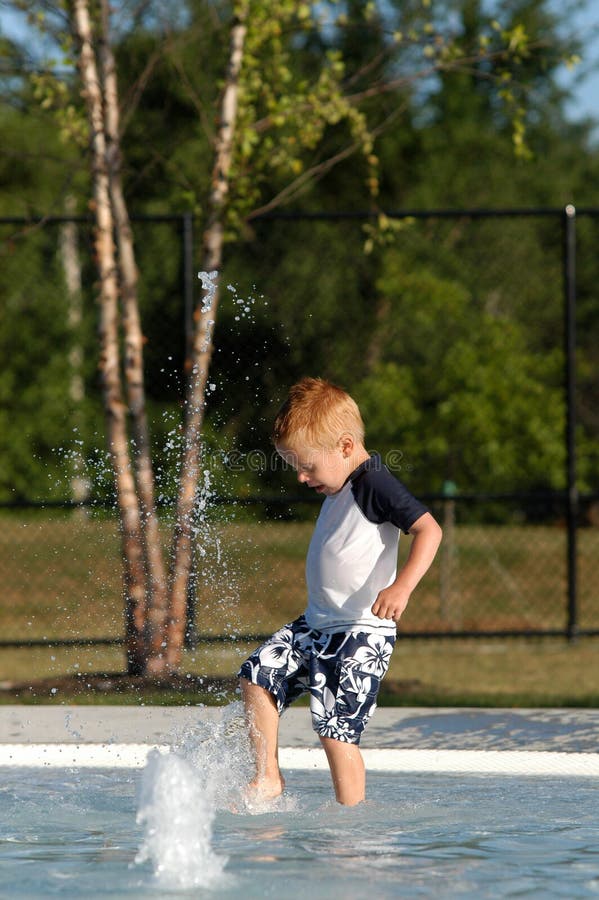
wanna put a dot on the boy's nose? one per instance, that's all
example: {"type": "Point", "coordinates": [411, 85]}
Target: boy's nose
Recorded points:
{"type": "Point", "coordinates": [302, 477]}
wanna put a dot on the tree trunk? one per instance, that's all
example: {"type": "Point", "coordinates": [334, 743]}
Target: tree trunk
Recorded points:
{"type": "Point", "coordinates": [204, 321]}
{"type": "Point", "coordinates": [157, 599]}
{"type": "Point", "coordinates": [69, 252]}
{"type": "Point", "coordinates": [117, 438]}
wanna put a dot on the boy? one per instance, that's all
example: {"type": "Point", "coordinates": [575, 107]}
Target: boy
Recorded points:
{"type": "Point", "coordinates": [339, 650]}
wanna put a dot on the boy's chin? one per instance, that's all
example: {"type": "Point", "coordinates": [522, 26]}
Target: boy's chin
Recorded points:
{"type": "Point", "coordinates": [326, 490]}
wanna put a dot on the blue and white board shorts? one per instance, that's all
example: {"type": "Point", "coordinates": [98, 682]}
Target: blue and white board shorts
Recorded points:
{"type": "Point", "coordinates": [342, 672]}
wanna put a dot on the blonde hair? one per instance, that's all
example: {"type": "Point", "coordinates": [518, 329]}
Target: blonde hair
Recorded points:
{"type": "Point", "coordinates": [317, 414]}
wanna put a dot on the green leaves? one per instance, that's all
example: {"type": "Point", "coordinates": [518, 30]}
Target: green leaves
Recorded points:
{"type": "Point", "coordinates": [468, 398]}
{"type": "Point", "coordinates": [285, 109]}
{"type": "Point", "coordinates": [55, 95]}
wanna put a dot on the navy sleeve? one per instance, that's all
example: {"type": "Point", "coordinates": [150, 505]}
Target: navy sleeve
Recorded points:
{"type": "Point", "coordinates": [383, 498]}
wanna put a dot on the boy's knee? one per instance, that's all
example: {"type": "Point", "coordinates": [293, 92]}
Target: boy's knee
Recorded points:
{"type": "Point", "coordinates": [255, 692]}
{"type": "Point", "coordinates": [337, 746]}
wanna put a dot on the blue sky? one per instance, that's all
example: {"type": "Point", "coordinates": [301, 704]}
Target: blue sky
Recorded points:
{"type": "Point", "coordinates": [584, 79]}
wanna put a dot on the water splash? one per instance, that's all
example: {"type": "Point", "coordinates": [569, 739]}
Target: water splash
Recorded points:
{"type": "Point", "coordinates": [205, 771]}
{"type": "Point", "coordinates": [220, 752]}
{"type": "Point", "coordinates": [209, 285]}
{"type": "Point", "coordinates": [177, 813]}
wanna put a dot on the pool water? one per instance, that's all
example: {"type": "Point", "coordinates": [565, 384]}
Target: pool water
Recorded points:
{"type": "Point", "coordinates": [78, 833]}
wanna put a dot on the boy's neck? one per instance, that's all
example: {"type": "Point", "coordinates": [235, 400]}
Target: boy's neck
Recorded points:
{"type": "Point", "coordinates": [359, 455]}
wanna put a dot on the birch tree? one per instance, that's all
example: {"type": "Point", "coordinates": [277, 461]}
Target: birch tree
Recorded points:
{"type": "Point", "coordinates": [156, 585]}
{"type": "Point", "coordinates": [130, 516]}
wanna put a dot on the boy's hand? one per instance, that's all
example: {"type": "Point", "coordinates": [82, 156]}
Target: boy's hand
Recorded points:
{"type": "Point", "coordinates": [391, 603]}
{"type": "Point", "coordinates": [392, 600]}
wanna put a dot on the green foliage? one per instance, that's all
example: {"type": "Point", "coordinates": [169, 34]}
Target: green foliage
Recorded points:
{"type": "Point", "coordinates": [35, 168]}
{"type": "Point", "coordinates": [285, 107]}
{"type": "Point", "coordinates": [39, 424]}
{"type": "Point", "coordinates": [448, 332]}
{"type": "Point", "coordinates": [477, 405]}
{"type": "Point", "coordinates": [55, 95]}
{"type": "Point", "coordinates": [167, 169]}
{"type": "Point", "coordinates": [37, 416]}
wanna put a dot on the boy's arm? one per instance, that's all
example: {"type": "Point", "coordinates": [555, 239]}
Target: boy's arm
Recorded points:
{"type": "Point", "coordinates": [392, 600]}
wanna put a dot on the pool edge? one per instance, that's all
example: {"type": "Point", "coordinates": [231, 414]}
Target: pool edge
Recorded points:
{"type": "Point", "coordinates": [134, 756]}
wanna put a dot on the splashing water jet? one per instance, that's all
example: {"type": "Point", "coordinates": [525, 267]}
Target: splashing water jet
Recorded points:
{"type": "Point", "coordinates": [177, 812]}
{"type": "Point", "coordinates": [206, 770]}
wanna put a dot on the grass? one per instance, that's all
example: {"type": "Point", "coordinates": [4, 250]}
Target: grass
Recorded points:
{"type": "Point", "coordinates": [61, 578]}
{"type": "Point", "coordinates": [547, 672]}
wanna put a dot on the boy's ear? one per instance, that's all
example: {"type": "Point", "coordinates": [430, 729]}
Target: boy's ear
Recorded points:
{"type": "Point", "coordinates": [346, 442]}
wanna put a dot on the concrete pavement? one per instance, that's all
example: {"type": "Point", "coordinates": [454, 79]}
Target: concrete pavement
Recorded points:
{"type": "Point", "coordinates": [561, 730]}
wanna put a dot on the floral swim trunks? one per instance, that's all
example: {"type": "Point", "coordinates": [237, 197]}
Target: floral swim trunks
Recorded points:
{"type": "Point", "coordinates": [342, 672]}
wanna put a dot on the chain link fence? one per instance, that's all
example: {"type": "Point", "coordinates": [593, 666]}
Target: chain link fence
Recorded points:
{"type": "Point", "coordinates": [459, 315]}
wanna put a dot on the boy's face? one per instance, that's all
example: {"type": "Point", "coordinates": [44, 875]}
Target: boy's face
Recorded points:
{"type": "Point", "coordinates": [323, 470]}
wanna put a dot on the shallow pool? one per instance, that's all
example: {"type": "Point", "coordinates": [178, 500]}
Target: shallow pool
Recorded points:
{"type": "Point", "coordinates": [76, 833]}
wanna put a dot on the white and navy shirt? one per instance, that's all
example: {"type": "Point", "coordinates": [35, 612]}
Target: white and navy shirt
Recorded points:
{"type": "Point", "coordinates": [353, 551]}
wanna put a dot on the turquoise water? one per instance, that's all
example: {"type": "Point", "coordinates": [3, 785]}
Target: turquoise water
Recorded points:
{"type": "Point", "coordinates": [76, 833]}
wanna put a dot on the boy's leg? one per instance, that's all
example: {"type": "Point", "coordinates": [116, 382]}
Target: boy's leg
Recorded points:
{"type": "Point", "coordinates": [345, 679]}
{"type": "Point", "coordinates": [273, 677]}
{"type": "Point", "coordinates": [347, 770]}
{"type": "Point", "coordinates": [263, 724]}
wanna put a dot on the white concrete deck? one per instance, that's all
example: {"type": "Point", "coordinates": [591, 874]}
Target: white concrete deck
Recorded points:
{"type": "Point", "coordinates": [564, 741]}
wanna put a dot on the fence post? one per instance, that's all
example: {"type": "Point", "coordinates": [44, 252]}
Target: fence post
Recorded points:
{"type": "Point", "coordinates": [569, 264]}
{"type": "Point", "coordinates": [447, 554]}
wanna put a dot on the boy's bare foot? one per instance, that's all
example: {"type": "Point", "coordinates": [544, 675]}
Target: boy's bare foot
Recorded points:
{"type": "Point", "coordinates": [258, 794]}
{"type": "Point", "coordinates": [261, 789]}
